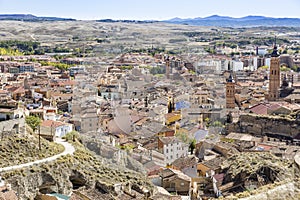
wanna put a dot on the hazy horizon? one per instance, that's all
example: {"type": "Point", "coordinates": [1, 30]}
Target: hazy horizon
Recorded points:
{"type": "Point", "coordinates": [142, 19]}
{"type": "Point", "coordinates": [150, 10]}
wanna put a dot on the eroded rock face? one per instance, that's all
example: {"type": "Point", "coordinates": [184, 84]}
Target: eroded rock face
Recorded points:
{"type": "Point", "coordinates": [83, 171]}
{"type": "Point", "coordinates": [259, 168]}
{"type": "Point", "coordinates": [77, 179]}
{"type": "Point", "coordinates": [115, 155]}
{"type": "Point", "coordinates": [296, 167]}
{"type": "Point", "coordinates": [40, 182]}
{"type": "Point", "coordinates": [266, 125]}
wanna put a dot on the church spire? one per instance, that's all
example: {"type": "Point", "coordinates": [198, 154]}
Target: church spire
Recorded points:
{"type": "Point", "coordinates": [275, 53]}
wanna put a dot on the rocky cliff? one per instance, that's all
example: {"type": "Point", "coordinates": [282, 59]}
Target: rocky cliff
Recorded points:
{"type": "Point", "coordinates": [289, 188]}
{"type": "Point", "coordinates": [113, 154]}
{"type": "Point", "coordinates": [84, 171]}
{"type": "Point", "coordinates": [285, 127]}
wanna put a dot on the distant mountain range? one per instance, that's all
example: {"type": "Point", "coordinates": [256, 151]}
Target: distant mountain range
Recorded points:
{"type": "Point", "coordinates": [126, 21]}
{"type": "Point", "coordinates": [28, 17]}
{"type": "Point", "coordinates": [248, 21]}
{"type": "Point", "coordinates": [214, 20]}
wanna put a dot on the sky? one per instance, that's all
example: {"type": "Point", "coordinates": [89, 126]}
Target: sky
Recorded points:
{"type": "Point", "coordinates": [150, 9]}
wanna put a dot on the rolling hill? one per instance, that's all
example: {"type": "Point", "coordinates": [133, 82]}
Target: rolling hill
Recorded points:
{"type": "Point", "coordinates": [248, 21]}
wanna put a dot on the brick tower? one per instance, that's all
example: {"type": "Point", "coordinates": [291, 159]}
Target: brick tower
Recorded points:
{"type": "Point", "coordinates": [167, 60]}
{"type": "Point", "coordinates": [274, 80]}
{"type": "Point", "coordinates": [230, 92]}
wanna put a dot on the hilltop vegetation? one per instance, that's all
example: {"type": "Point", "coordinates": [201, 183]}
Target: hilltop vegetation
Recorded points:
{"type": "Point", "coordinates": [19, 149]}
{"type": "Point", "coordinates": [83, 170]}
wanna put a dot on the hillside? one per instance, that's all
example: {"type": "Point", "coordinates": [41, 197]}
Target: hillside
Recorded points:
{"type": "Point", "coordinates": [248, 21]}
{"type": "Point", "coordinates": [28, 17]}
{"type": "Point", "coordinates": [84, 171]}
{"type": "Point", "coordinates": [19, 149]}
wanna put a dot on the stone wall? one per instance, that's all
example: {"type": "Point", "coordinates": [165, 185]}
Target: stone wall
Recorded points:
{"type": "Point", "coordinates": [113, 154]}
{"type": "Point", "coordinates": [12, 126]}
{"type": "Point", "coordinates": [257, 125]}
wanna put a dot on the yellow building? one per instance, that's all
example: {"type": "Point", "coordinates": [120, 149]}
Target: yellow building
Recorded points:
{"type": "Point", "coordinates": [172, 117]}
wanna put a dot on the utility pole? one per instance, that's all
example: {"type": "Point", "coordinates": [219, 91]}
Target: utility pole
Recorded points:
{"type": "Point", "coordinates": [52, 130]}
{"type": "Point", "coordinates": [40, 137]}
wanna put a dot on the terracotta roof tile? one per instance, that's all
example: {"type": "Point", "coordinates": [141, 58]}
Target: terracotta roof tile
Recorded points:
{"type": "Point", "coordinates": [49, 123]}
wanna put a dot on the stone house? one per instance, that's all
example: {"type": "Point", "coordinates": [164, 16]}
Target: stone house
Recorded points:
{"type": "Point", "coordinates": [5, 95]}
{"type": "Point", "coordinates": [175, 181]}
{"type": "Point", "coordinates": [16, 92]}
{"type": "Point", "coordinates": [188, 165]}
{"type": "Point", "coordinates": [11, 113]}
{"type": "Point", "coordinates": [89, 121]}
{"type": "Point", "coordinates": [207, 168]}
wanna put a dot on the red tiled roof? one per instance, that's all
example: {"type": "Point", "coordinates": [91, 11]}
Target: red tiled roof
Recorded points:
{"type": "Point", "coordinates": [3, 92]}
{"type": "Point", "coordinates": [265, 147]}
{"type": "Point", "coordinates": [19, 90]}
{"type": "Point", "coordinates": [263, 108]}
{"type": "Point", "coordinates": [68, 82]}
{"type": "Point", "coordinates": [259, 109]}
{"type": "Point", "coordinates": [169, 115]}
{"type": "Point", "coordinates": [49, 123]}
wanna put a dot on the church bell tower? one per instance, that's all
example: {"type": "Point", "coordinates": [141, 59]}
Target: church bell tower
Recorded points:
{"type": "Point", "coordinates": [230, 92]}
{"type": "Point", "coordinates": [274, 80]}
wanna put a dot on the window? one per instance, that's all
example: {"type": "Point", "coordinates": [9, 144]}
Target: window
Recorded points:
{"type": "Point", "coordinates": [182, 184]}
{"type": "Point", "coordinates": [167, 150]}
{"type": "Point", "coordinates": [171, 157]}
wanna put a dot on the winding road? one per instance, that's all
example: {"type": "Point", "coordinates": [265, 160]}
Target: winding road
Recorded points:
{"type": "Point", "coordinates": [69, 149]}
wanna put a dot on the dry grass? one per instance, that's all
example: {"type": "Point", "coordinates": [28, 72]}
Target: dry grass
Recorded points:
{"type": "Point", "coordinates": [18, 149]}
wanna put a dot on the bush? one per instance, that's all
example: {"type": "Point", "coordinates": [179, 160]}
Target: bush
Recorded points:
{"type": "Point", "coordinates": [72, 136]}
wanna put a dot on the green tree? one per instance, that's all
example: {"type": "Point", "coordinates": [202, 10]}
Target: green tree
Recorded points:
{"type": "Point", "coordinates": [295, 68]}
{"type": "Point", "coordinates": [284, 51]}
{"type": "Point", "coordinates": [207, 121]}
{"type": "Point", "coordinates": [192, 146]}
{"type": "Point", "coordinates": [284, 69]}
{"type": "Point", "coordinates": [33, 122]}
{"type": "Point", "coordinates": [73, 135]}
{"type": "Point", "coordinates": [217, 124]}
